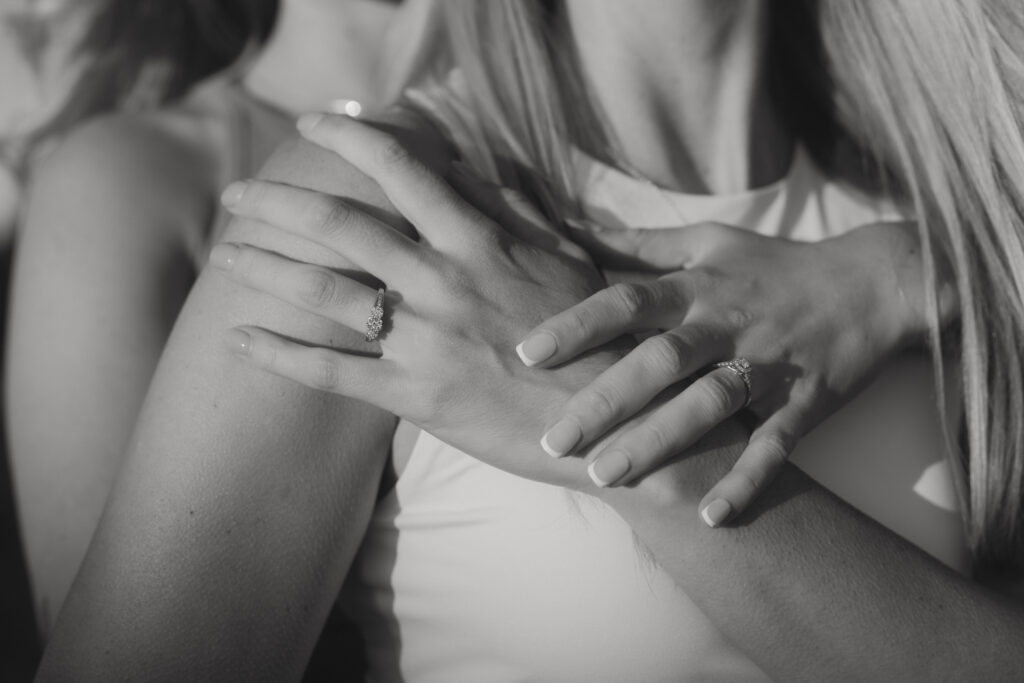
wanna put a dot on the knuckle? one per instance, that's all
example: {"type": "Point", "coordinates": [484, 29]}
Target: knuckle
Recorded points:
{"type": "Point", "coordinates": [595, 405]}
{"type": "Point", "coordinates": [737, 318]}
{"type": "Point", "coordinates": [255, 195]}
{"type": "Point", "coordinates": [669, 353]}
{"type": "Point", "coordinates": [747, 483]}
{"type": "Point", "coordinates": [715, 395]}
{"type": "Point", "coordinates": [263, 353]}
{"type": "Point", "coordinates": [392, 153]}
{"type": "Point", "coordinates": [575, 323]}
{"type": "Point", "coordinates": [330, 218]}
{"type": "Point", "coordinates": [633, 298]}
{"type": "Point", "coordinates": [774, 449]}
{"type": "Point", "coordinates": [324, 373]}
{"type": "Point", "coordinates": [437, 396]}
{"type": "Point", "coordinates": [657, 440]}
{"type": "Point", "coordinates": [245, 266]}
{"type": "Point", "coordinates": [317, 289]}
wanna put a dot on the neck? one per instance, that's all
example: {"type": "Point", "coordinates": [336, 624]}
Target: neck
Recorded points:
{"type": "Point", "coordinates": [679, 83]}
{"type": "Point", "coordinates": [324, 50]}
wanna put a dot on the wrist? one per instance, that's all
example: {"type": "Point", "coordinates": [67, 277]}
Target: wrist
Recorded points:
{"type": "Point", "coordinates": [884, 261]}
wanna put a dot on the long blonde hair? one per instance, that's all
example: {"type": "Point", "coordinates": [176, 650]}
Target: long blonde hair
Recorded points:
{"type": "Point", "coordinates": [932, 91]}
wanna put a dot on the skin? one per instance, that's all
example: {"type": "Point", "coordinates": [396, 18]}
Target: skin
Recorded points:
{"type": "Point", "coordinates": [815, 320]}
{"type": "Point", "coordinates": [124, 241]}
{"type": "Point", "coordinates": [789, 582]}
{"type": "Point", "coordinates": [237, 564]}
{"type": "Point", "coordinates": [160, 457]}
{"type": "Point", "coordinates": [122, 237]}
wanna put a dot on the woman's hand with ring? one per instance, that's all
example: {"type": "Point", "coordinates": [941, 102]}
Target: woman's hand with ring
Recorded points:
{"type": "Point", "coordinates": [814, 320]}
{"type": "Point", "coordinates": [453, 301]}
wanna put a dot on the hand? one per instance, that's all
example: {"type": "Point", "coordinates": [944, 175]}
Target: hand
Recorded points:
{"type": "Point", "coordinates": [815, 320]}
{"type": "Point", "coordinates": [454, 300]}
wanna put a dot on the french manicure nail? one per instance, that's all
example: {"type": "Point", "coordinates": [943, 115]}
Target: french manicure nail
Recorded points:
{"type": "Point", "coordinates": [223, 256]}
{"type": "Point", "coordinates": [609, 468]}
{"type": "Point", "coordinates": [307, 122]}
{"type": "Point", "coordinates": [716, 512]}
{"type": "Point", "coordinates": [561, 438]}
{"type": "Point", "coordinates": [537, 348]}
{"type": "Point", "coordinates": [233, 193]}
{"type": "Point", "coordinates": [238, 341]}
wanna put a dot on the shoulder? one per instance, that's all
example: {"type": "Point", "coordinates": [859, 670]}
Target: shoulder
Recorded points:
{"type": "Point", "coordinates": [125, 171]}
{"type": "Point", "coordinates": [303, 164]}
{"type": "Point", "coordinates": [132, 148]}
{"type": "Point", "coordinates": [300, 162]}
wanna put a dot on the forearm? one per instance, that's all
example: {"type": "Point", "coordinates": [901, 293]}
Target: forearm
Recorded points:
{"type": "Point", "coordinates": [813, 590]}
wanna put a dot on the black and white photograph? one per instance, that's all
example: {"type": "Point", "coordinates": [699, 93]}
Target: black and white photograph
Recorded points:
{"type": "Point", "coordinates": [512, 341]}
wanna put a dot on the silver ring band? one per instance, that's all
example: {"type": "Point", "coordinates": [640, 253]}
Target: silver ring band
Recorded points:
{"type": "Point", "coordinates": [741, 368]}
{"type": "Point", "coordinates": [375, 323]}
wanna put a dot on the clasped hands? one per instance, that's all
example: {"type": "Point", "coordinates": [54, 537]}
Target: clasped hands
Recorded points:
{"type": "Point", "coordinates": [501, 338]}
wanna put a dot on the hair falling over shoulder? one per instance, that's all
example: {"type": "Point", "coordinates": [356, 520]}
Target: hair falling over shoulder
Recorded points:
{"type": "Point", "coordinates": [940, 86]}
{"type": "Point", "coordinates": [933, 91]}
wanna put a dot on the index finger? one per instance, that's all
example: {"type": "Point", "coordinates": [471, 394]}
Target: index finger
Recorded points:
{"type": "Point", "coordinates": [420, 194]}
{"type": "Point", "coordinates": [328, 221]}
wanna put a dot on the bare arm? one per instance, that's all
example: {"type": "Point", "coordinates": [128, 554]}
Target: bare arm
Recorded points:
{"type": "Point", "coordinates": [101, 271]}
{"type": "Point", "coordinates": [243, 497]}
{"type": "Point", "coordinates": [812, 589]}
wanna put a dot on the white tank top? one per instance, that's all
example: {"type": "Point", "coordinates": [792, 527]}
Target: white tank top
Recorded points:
{"type": "Point", "coordinates": [470, 574]}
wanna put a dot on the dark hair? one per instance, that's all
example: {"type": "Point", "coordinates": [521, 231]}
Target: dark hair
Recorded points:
{"type": "Point", "coordinates": [144, 53]}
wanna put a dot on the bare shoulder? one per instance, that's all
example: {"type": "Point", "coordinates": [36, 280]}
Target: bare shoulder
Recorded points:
{"type": "Point", "coordinates": [124, 172]}
{"type": "Point", "coordinates": [302, 163]}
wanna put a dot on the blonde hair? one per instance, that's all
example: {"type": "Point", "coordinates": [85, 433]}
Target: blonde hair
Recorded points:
{"type": "Point", "coordinates": [932, 91]}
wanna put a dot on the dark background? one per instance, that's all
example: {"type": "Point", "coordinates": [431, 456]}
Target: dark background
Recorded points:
{"type": "Point", "coordinates": [19, 648]}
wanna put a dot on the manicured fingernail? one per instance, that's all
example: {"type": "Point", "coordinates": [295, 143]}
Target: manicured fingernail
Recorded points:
{"type": "Point", "coordinates": [716, 512]}
{"type": "Point", "coordinates": [609, 468]}
{"type": "Point", "coordinates": [223, 256]}
{"type": "Point", "coordinates": [238, 341]}
{"type": "Point", "coordinates": [307, 122]}
{"type": "Point", "coordinates": [537, 348]}
{"type": "Point", "coordinates": [561, 438]}
{"type": "Point", "coordinates": [233, 193]}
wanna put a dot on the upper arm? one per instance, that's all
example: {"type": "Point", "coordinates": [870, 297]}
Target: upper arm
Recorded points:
{"type": "Point", "coordinates": [244, 496]}
{"type": "Point", "coordinates": [100, 273]}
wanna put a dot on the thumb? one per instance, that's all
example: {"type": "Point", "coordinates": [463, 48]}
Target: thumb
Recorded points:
{"type": "Point", "coordinates": [651, 249]}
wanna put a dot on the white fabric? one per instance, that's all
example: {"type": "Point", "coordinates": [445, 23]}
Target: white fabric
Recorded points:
{"type": "Point", "coordinates": [471, 574]}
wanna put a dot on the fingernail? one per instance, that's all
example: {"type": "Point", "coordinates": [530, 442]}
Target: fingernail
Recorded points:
{"type": "Point", "coordinates": [238, 341]}
{"type": "Point", "coordinates": [307, 122]}
{"type": "Point", "coordinates": [223, 256]}
{"type": "Point", "coordinates": [561, 438]}
{"type": "Point", "coordinates": [233, 193]}
{"type": "Point", "coordinates": [537, 348]}
{"type": "Point", "coordinates": [608, 469]}
{"type": "Point", "coordinates": [716, 512]}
